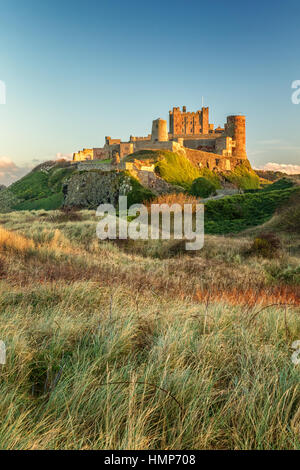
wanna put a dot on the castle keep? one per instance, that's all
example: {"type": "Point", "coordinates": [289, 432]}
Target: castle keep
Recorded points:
{"type": "Point", "coordinates": [190, 133]}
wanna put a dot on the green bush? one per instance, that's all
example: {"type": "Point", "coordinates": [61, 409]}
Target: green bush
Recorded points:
{"type": "Point", "coordinates": [283, 183]}
{"type": "Point", "coordinates": [139, 193]}
{"type": "Point", "coordinates": [265, 245]}
{"type": "Point", "coordinates": [211, 176]}
{"type": "Point", "coordinates": [202, 187]}
{"type": "Point", "coordinates": [284, 274]}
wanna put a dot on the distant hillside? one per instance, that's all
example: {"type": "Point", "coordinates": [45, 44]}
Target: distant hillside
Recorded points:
{"type": "Point", "coordinates": [42, 189]}
{"type": "Point", "coordinates": [274, 175]}
{"type": "Point", "coordinates": [270, 175]}
{"type": "Point", "coordinates": [287, 217]}
{"type": "Point", "coordinates": [233, 214]}
{"type": "Point", "coordinates": [39, 189]}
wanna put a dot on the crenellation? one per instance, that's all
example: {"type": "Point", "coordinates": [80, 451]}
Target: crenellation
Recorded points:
{"type": "Point", "coordinates": [189, 132]}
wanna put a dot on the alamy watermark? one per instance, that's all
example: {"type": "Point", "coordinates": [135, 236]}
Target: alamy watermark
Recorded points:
{"type": "Point", "coordinates": [158, 221]}
{"type": "Point", "coordinates": [296, 354]}
{"type": "Point", "coordinates": [2, 353]}
{"type": "Point", "coordinates": [2, 92]}
{"type": "Point", "coordinates": [296, 94]}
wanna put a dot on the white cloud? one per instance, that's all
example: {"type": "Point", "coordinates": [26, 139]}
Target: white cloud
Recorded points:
{"type": "Point", "coordinates": [284, 167]}
{"type": "Point", "coordinates": [66, 156]}
{"type": "Point", "coordinates": [10, 172]}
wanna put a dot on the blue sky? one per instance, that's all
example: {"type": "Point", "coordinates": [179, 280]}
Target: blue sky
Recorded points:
{"type": "Point", "coordinates": [76, 71]}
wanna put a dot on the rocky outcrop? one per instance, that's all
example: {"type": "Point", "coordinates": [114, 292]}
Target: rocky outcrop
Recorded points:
{"type": "Point", "coordinates": [156, 184]}
{"type": "Point", "coordinates": [88, 189]}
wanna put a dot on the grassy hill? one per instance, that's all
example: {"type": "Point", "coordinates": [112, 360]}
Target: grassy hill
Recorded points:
{"type": "Point", "coordinates": [233, 214]}
{"type": "Point", "coordinates": [179, 170]}
{"type": "Point", "coordinates": [287, 218]}
{"type": "Point", "coordinates": [39, 189]}
{"type": "Point", "coordinates": [42, 189]}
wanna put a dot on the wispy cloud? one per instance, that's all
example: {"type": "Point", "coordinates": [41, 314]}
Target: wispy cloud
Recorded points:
{"type": "Point", "coordinates": [276, 144]}
{"type": "Point", "coordinates": [284, 167]}
{"type": "Point", "coordinates": [66, 156]}
{"type": "Point", "coordinates": [271, 142]}
{"type": "Point", "coordinates": [10, 172]}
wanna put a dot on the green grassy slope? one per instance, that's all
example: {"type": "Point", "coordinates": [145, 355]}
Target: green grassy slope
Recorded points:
{"type": "Point", "coordinates": [244, 177]}
{"type": "Point", "coordinates": [236, 213]}
{"type": "Point", "coordinates": [42, 189]}
{"type": "Point", "coordinates": [39, 189]}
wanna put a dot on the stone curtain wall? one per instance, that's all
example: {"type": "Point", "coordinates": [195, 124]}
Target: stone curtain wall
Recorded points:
{"type": "Point", "coordinates": [212, 160]}
{"type": "Point", "coordinates": [94, 165]}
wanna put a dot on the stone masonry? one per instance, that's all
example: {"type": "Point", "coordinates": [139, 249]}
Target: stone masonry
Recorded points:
{"type": "Point", "coordinates": [190, 133]}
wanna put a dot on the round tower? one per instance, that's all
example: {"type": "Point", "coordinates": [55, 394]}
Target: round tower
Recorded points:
{"type": "Point", "coordinates": [236, 129]}
{"type": "Point", "coordinates": [159, 131]}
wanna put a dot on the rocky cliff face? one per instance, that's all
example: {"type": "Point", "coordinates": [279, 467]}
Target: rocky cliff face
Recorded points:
{"type": "Point", "coordinates": [88, 189]}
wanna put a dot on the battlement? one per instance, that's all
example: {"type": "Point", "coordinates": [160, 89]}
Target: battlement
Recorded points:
{"type": "Point", "coordinates": [183, 122]}
{"type": "Point", "coordinates": [187, 131]}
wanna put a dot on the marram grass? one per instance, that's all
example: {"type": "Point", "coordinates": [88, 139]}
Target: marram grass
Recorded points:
{"type": "Point", "coordinates": [114, 350]}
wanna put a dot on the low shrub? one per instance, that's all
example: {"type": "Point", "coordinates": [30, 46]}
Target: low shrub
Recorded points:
{"type": "Point", "coordinates": [202, 187]}
{"type": "Point", "coordinates": [67, 214]}
{"type": "Point", "coordinates": [284, 274]}
{"type": "Point", "coordinates": [266, 245]}
{"type": "Point", "coordinates": [138, 193]}
{"type": "Point", "coordinates": [211, 176]}
{"type": "Point", "coordinates": [283, 183]}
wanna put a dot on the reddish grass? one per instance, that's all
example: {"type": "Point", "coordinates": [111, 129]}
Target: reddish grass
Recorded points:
{"type": "Point", "coordinates": [251, 297]}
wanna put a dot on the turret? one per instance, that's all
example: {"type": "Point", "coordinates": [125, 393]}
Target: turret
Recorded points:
{"type": "Point", "coordinates": [159, 131]}
{"type": "Point", "coordinates": [236, 129]}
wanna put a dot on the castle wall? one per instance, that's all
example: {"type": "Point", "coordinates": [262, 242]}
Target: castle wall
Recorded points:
{"type": "Point", "coordinates": [99, 154]}
{"type": "Point", "coordinates": [207, 145]}
{"type": "Point", "coordinates": [85, 154]}
{"type": "Point", "coordinates": [135, 139]}
{"type": "Point", "coordinates": [126, 148]}
{"type": "Point", "coordinates": [212, 160]}
{"type": "Point", "coordinates": [189, 133]}
{"type": "Point", "coordinates": [151, 145]}
{"type": "Point", "coordinates": [224, 146]}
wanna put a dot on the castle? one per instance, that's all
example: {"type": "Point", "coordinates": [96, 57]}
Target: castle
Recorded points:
{"type": "Point", "coordinates": [190, 133]}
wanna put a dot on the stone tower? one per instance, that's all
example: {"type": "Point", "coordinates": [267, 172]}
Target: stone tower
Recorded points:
{"type": "Point", "coordinates": [236, 129]}
{"type": "Point", "coordinates": [159, 131]}
{"type": "Point", "coordinates": [187, 123]}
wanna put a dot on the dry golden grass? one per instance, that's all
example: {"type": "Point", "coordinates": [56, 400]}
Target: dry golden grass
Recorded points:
{"type": "Point", "coordinates": [110, 349]}
{"type": "Point", "coordinates": [174, 198]}
{"type": "Point", "coordinates": [13, 242]}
